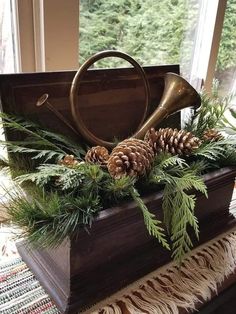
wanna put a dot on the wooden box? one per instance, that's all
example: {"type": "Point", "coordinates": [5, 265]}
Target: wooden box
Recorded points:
{"type": "Point", "coordinates": [118, 249]}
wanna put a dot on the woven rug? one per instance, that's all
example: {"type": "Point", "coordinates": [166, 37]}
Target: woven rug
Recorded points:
{"type": "Point", "coordinates": [20, 292]}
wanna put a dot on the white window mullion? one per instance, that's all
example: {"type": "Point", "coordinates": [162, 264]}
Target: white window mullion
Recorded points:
{"type": "Point", "coordinates": [15, 35]}
{"type": "Point", "coordinates": [26, 34]}
{"type": "Point", "coordinates": [209, 31]}
{"type": "Point", "coordinates": [39, 41]}
{"type": "Point", "coordinates": [215, 44]}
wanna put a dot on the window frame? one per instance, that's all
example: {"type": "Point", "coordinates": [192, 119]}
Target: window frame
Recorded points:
{"type": "Point", "coordinates": [39, 51]}
{"type": "Point", "coordinates": [46, 34]}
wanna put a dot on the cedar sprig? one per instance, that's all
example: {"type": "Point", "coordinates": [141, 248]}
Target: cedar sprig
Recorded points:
{"type": "Point", "coordinates": [42, 154]}
{"type": "Point", "coordinates": [153, 225]}
{"type": "Point", "coordinates": [178, 205]}
{"type": "Point", "coordinates": [84, 177]}
{"type": "Point", "coordinates": [199, 167]}
{"type": "Point", "coordinates": [40, 143]}
{"type": "Point", "coordinates": [66, 178]}
{"type": "Point", "coordinates": [214, 151]}
{"type": "Point", "coordinates": [166, 160]}
{"type": "Point", "coordinates": [229, 158]}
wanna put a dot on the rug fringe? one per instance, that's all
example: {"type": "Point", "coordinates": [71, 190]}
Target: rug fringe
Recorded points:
{"type": "Point", "coordinates": [170, 288]}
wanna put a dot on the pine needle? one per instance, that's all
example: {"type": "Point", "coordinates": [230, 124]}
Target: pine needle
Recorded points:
{"type": "Point", "coordinates": [118, 189]}
{"type": "Point", "coordinates": [48, 219]}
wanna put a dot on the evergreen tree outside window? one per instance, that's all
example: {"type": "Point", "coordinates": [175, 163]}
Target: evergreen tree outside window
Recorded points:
{"type": "Point", "coordinates": [156, 33]}
{"type": "Point", "coordinates": [152, 32]}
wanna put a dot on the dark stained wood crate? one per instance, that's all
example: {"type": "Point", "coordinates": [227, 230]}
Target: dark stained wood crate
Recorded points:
{"type": "Point", "coordinates": [118, 250]}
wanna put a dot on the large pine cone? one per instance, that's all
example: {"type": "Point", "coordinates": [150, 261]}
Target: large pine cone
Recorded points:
{"type": "Point", "coordinates": [172, 141]}
{"type": "Point", "coordinates": [131, 157]}
{"type": "Point", "coordinates": [97, 155]}
{"type": "Point", "coordinates": [212, 135]}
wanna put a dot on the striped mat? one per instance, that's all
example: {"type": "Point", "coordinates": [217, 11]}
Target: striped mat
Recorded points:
{"type": "Point", "coordinates": [20, 292]}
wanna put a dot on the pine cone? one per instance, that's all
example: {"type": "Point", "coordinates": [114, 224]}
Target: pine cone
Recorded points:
{"type": "Point", "coordinates": [172, 141]}
{"type": "Point", "coordinates": [69, 161]}
{"type": "Point", "coordinates": [212, 135]}
{"type": "Point", "coordinates": [131, 157]}
{"type": "Point", "coordinates": [97, 155]}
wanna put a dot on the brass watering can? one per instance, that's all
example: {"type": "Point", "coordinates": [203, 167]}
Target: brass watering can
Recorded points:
{"type": "Point", "coordinates": [178, 94]}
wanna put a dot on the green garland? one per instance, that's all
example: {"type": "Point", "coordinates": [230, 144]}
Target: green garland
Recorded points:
{"type": "Point", "coordinates": [65, 199]}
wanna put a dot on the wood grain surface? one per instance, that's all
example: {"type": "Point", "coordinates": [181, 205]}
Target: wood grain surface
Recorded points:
{"type": "Point", "coordinates": [111, 102]}
{"type": "Point", "coordinates": [118, 250]}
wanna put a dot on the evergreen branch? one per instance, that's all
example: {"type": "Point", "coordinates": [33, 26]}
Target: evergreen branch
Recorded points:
{"type": "Point", "coordinates": [164, 165]}
{"type": "Point", "coordinates": [27, 127]}
{"type": "Point", "coordinates": [167, 207]}
{"type": "Point", "coordinates": [38, 139]}
{"type": "Point", "coordinates": [211, 114]}
{"type": "Point", "coordinates": [198, 167]}
{"type": "Point", "coordinates": [229, 158]}
{"type": "Point", "coordinates": [151, 223]}
{"type": "Point", "coordinates": [120, 188]}
{"type": "Point", "coordinates": [183, 216]}
{"type": "Point", "coordinates": [94, 178]}
{"type": "Point", "coordinates": [229, 124]}
{"type": "Point", "coordinates": [178, 206]}
{"type": "Point", "coordinates": [83, 178]}
{"type": "Point", "coordinates": [47, 155]}
{"type": "Point", "coordinates": [65, 143]}
{"type": "Point", "coordinates": [214, 151]}
{"type": "Point", "coordinates": [165, 160]}
{"type": "Point", "coordinates": [66, 178]}
{"type": "Point", "coordinates": [191, 181]}
{"type": "Point", "coordinates": [38, 153]}
{"type": "Point", "coordinates": [47, 219]}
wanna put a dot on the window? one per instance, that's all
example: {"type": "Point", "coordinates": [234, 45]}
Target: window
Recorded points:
{"type": "Point", "coordinates": [8, 57]}
{"type": "Point", "coordinates": [152, 32]}
{"type": "Point", "coordinates": [225, 70]}
{"type": "Point", "coordinates": [8, 60]}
